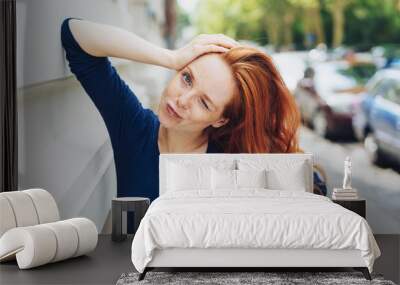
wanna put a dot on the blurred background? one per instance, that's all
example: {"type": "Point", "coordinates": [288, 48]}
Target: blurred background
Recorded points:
{"type": "Point", "coordinates": [341, 61]}
{"type": "Point", "coordinates": [339, 58]}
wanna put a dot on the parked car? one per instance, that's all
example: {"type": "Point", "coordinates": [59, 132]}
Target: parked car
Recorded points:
{"type": "Point", "coordinates": [386, 56]}
{"type": "Point", "coordinates": [380, 111]}
{"type": "Point", "coordinates": [327, 92]}
{"type": "Point", "coordinates": [376, 85]}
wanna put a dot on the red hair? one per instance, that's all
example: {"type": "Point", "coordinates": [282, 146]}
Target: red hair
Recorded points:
{"type": "Point", "coordinates": [263, 115]}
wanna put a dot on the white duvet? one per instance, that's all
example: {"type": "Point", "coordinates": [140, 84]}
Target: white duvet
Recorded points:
{"type": "Point", "coordinates": [253, 218]}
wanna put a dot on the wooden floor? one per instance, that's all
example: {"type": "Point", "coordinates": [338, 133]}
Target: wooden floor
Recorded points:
{"type": "Point", "coordinates": [111, 259]}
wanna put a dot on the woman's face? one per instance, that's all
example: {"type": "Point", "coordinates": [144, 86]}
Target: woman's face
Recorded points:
{"type": "Point", "coordinates": [198, 93]}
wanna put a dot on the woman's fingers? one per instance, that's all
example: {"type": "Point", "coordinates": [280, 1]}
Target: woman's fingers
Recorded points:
{"type": "Point", "coordinates": [201, 44]}
{"type": "Point", "coordinates": [217, 39]}
{"type": "Point", "coordinates": [201, 49]}
{"type": "Point", "coordinates": [230, 40]}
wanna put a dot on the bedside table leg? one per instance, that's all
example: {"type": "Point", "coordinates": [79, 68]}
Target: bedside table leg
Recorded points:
{"type": "Point", "coordinates": [117, 222]}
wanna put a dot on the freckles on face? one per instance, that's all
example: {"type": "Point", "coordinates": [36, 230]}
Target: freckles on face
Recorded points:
{"type": "Point", "coordinates": [201, 90]}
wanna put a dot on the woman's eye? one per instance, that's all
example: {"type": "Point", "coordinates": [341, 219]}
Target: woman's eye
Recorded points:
{"type": "Point", "coordinates": [205, 104]}
{"type": "Point", "coordinates": [186, 78]}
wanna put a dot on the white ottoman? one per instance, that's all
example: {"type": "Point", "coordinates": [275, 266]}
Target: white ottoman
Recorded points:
{"type": "Point", "coordinates": [30, 230]}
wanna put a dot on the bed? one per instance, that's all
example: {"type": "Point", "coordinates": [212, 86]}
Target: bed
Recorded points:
{"type": "Point", "coordinates": [247, 210]}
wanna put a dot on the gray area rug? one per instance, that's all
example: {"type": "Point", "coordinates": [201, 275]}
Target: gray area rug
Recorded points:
{"type": "Point", "coordinates": [229, 278]}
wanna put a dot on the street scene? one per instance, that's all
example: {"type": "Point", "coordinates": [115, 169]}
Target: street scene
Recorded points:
{"type": "Point", "coordinates": [379, 185]}
{"type": "Point", "coordinates": [346, 83]}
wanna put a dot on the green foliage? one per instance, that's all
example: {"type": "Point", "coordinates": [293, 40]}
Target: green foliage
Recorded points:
{"type": "Point", "coordinates": [237, 19]}
{"type": "Point", "coordinates": [372, 22]}
{"type": "Point", "coordinates": [360, 72]}
{"type": "Point", "coordinates": [366, 22]}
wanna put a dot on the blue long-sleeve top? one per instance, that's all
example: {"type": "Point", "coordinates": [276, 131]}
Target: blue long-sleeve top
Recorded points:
{"type": "Point", "coordinates": [133, 129]}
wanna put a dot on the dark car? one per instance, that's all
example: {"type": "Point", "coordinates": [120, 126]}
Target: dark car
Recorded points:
{"type": "Point", "coordinates": [327, 93]}
{"type": "Point", "coordinates": [380, 108]}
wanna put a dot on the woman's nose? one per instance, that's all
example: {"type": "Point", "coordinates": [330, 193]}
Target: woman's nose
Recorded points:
{"type": "Point", "coordinates": [184, 101]}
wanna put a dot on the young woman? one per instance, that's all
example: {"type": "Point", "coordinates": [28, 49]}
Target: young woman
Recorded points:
{"type": "Point", "coordinates": [224, 97]}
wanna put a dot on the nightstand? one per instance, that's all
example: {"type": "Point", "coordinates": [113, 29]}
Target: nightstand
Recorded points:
{"type": "Point", "coordinates": [138, 205]}
{"type": "Point", "coordinates": [358, 206]}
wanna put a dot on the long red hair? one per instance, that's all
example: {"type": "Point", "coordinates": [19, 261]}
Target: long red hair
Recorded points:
{"type": "Point", "coordinates": [263, 115]}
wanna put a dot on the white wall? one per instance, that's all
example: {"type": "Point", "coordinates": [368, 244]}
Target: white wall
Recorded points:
{"type": "Point", "coordinates": [39, 54]}
{"type": "Point", "coordinates": [63, 143]}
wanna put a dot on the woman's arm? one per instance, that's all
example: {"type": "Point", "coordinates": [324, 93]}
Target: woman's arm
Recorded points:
{"type": "Point", "coordinates": [87, 46]}
{"type": "Point", "coordinates": [111, 95]}
{"type": "Point", "coordinates": [105, 40]}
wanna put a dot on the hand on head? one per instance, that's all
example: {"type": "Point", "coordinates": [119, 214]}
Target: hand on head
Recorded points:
{"type": "Point", "coordinates": [201, 44]}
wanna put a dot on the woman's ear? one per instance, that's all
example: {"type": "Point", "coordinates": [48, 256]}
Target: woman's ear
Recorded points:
{"type": "Point", "coordinates": [220, 123]}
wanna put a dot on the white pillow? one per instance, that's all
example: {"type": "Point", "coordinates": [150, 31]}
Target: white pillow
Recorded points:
{"type": "Point", "coordinates": [231, 179]}
{"type": "Point", "coordinates": [251, 178]}
{"type": "Point", "coordinates": [181, 177]}
{"type": "Point", "coordinates": [293, 180]}
{"type": "Point", "coordinates": [282, 173]}
{"type": "Point", "coordinates": [206, 161]}
{"type": "Point", "coordinates": [223, 178]}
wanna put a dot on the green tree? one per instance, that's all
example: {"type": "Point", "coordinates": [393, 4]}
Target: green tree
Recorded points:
{"type": "Point", "coordinates": [273, 20]}
{"type": "Point", "coordinates": [238, 19]}
{"type": "Point", "coordinates": [337, 9]}
{"type": "Point", "coordinates": [287, 22]}
{"type": "Point", "coordinates": [370, 22]}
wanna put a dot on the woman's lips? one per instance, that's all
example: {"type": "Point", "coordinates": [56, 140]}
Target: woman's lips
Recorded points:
{"type": "Point", "coordinates": [171, 112]}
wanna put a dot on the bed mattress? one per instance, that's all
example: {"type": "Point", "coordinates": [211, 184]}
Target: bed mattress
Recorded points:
{"type": "Point", "coordinates": [251, 218]}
